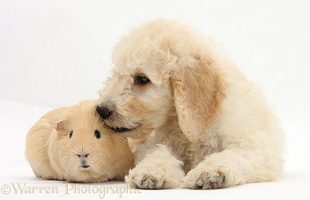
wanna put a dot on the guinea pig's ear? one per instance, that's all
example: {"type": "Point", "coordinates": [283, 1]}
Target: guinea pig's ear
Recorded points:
{"type": "Point", "coordinates": [61, 126]}
{"type": "Point", "coordinates": [198, 93]}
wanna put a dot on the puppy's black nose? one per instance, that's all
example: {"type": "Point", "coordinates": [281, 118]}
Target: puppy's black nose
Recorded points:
{"type": "Point", "coordinates": [103, 112]}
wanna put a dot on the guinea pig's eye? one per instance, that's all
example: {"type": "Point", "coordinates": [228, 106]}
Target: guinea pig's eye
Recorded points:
{"type": "Point", "coordinates": [70, 134]}
{"type": "Point", "coordinates": [97, 134]}
{"type": "Point", "coordinates": [141, 80]}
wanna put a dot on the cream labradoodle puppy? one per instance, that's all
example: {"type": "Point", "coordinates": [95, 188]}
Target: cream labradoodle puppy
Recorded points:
{"type": "Point", "coordinates": [210, 126]}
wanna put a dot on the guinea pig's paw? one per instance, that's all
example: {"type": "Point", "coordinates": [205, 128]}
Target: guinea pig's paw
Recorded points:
{"type": "Point", "coordinates": [154, 178]}
{"type": "Point", "coordinates": [207, 178]}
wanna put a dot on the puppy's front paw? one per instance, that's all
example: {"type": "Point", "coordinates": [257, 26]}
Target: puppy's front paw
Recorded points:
{"type": "Point", "coordinates": [154, 178]}
{"type": "Point", "coordinates": [209, 178]}
{"type": "Point", "coordinates": [146, 181]}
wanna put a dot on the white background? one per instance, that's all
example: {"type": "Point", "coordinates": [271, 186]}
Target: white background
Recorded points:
{"type": "Point", "coordinates": [57, 52]}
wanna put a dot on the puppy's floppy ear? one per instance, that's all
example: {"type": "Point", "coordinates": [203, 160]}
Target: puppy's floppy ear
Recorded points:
{"type": "Point", "coordinates": [198, 93]}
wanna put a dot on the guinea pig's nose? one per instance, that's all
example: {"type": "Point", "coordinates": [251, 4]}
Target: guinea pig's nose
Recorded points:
{"type": "Point", "coordinates": [83, 155]}
{"type": "Point", "coordinates": [104, 112]}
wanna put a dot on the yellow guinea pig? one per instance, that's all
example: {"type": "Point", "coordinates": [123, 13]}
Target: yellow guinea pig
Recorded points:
{"type": "Point", "coordinates": [72, 144]}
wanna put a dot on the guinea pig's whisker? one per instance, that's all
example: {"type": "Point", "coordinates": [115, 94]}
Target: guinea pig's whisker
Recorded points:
{"type": "Point", "coordinates": [74, 152]}
{"type": "Point", "coordinates": [89, 152]}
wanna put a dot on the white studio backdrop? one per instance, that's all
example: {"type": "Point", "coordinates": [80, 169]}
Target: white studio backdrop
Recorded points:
{"type": "Point", "coordinates": [57, 52]}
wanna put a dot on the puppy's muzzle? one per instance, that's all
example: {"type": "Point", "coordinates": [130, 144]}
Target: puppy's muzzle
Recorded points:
{"type": "Point", "coordinates": [104, 112]}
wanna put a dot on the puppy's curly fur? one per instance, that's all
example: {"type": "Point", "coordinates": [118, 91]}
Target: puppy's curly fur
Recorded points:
{"type": "Point", "coordinates": [212, 128]}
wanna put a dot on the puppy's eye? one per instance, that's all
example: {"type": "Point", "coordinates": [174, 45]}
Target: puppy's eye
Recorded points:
{"type": "Point", "coordinates": [97, 134]}
{"type": "Point", "coordinates": [141, 80]}
{"type": "Point", "coordinates": [70, 134]}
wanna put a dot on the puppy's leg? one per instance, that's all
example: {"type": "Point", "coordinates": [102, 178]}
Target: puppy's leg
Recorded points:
{"type": "Point", "coordinates": [233, 167]}
{"type": "Point", "coordinates": [158, 169]}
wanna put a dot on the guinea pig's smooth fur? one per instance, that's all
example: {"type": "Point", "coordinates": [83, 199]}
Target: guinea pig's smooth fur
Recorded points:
{"type": "Point", "coordinates": [72, 144]}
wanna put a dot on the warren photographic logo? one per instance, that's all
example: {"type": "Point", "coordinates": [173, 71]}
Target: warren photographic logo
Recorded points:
{"type": "Point", "coordinates": [22, 188]}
